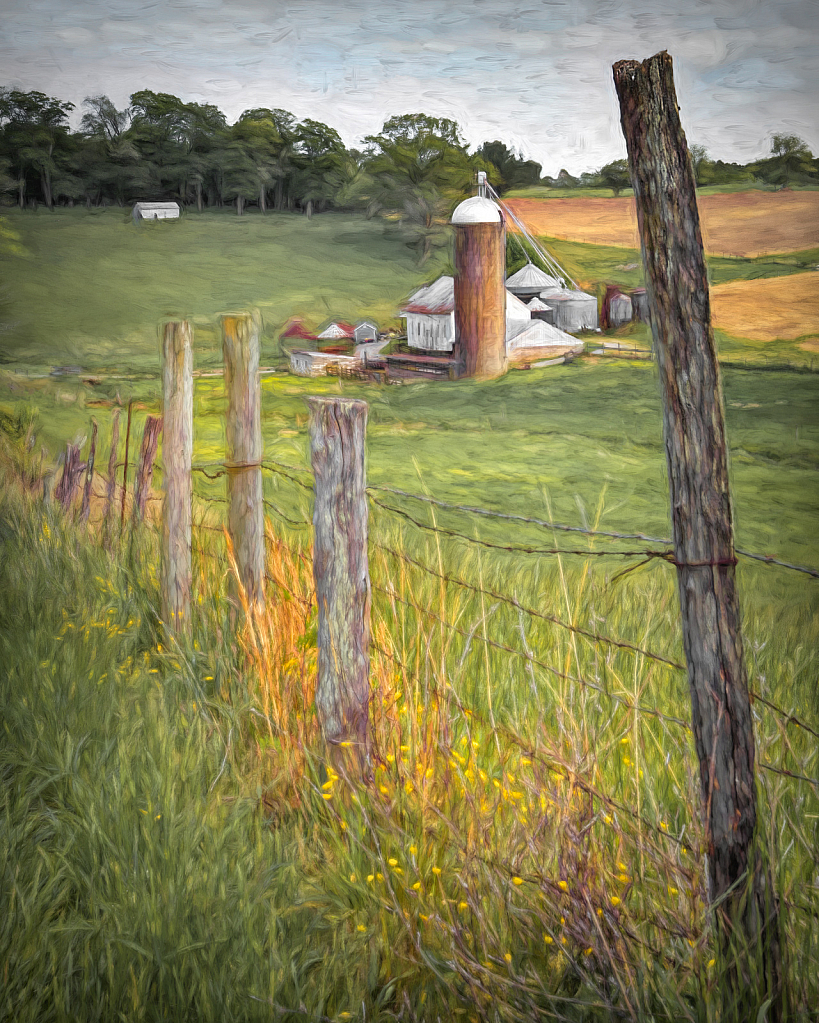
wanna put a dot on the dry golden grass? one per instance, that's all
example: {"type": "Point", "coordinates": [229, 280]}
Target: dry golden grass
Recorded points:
{"type": "Point", "coordinates": [767, 310]}
{"type": "Point", "coordinates": [734, 224]}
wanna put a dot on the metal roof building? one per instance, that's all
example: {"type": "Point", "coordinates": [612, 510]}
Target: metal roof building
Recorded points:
{"type": "Point", "coordinates": [156, 211]}
{"type": "Point", "coordinates": [530, 280]}
{"type": "Point", "coordinates": [336, 332]}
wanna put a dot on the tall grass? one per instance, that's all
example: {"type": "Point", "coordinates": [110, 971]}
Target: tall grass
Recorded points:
{"type": "Point", "coordinates": [528, 844]}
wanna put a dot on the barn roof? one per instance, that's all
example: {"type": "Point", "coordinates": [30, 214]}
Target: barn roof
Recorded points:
{"type": "Point", "coordinates": [336, 330]}
{"type": "Point", "coordinates": [297, 329]}
{"type": "Point", "coordinates": [539, 332]}
{"type": "Point", "coordinates": [530, 278]}
{"type": "Point", "coordinates": [438, 297]}
{"type": "Point", "coordinates": [566, 295]}
{"type": "Point", "coordinates": [156, 205]}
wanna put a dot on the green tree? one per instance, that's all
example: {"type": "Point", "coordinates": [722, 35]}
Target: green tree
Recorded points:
{"type": "Point", "coordinates": [512, 170]}
{"type": "Point", "coordinates": [34, 128]}
{"type": "Point", "coordinates": [791, 162]}
{"type": "Point", "coordinates": [615, 175]}
{"type": "Point", "coordinates": [420, 170]}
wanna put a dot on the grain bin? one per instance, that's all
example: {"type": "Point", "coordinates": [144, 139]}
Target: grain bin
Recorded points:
{"type": "Point", "coordinates": [573, 310]}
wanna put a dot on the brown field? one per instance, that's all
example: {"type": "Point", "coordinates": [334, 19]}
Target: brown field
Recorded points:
{"type": "Point", "coordinates": [734, 224]}
{"type": "Point", "coordinates": [767, 310]}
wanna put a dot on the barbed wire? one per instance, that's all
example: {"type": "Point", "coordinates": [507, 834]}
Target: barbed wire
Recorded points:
{"type": "Point", "coordinates": [560, 527]}
{"type": "Point", "coordinates": [651, 711]}
{"type": "Point", "coordinates": [579, 630]}
{"type": "Point", "coordinates": [516, 548]}
{"type": "Point", "coordinates": [544, 523]}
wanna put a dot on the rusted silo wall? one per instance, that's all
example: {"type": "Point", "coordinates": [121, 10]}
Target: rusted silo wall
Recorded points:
{"type": "Point", "coordinates": [480, 298]}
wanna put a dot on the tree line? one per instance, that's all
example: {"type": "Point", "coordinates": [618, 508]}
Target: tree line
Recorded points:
{"type": "Point", "coordinates": [412, 172]}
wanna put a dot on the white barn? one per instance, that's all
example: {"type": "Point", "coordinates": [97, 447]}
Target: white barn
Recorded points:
{"type": "Point", "coordinates": [156, 211]}
{"type": "Point", "coordinates": [430, 316]}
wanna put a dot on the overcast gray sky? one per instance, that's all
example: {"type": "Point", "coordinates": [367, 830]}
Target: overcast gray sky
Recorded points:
{"type": "Point", "coordinates": [534, 73]}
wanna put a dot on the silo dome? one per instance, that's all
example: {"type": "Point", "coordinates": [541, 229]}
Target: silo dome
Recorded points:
{"type": "Point", "coordinates": [477, 210]}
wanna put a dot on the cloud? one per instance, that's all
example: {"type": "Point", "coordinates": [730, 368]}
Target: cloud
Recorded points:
{"type": "Point", "coordinates": [534, 73]}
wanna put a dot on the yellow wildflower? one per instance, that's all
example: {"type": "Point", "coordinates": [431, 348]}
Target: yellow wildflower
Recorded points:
{"type": "Point", "coordinates": [352, 878]}
{"type": "Point", "coordinates": [615, 900]}
{"type": "Point", "coordinates": [393, 862]}
{"type": "Point", "coordinates": [548, 939]}
{"type": "Point", "coordinates": [562, 886]}
{"type": "Point", "coordinates": [508, 957]}
{"type": "Point", "coordinates": [361, 928]}
{"type": "Point", "coordinates": [517, 880]}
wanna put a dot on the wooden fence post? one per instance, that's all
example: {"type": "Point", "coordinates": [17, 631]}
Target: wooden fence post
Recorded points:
{"type": "Point", "coordinates": [111, 483]}
{"type": "Point", "coordinates": [67, 486]}
{"type": "Point", "coordinates": [693, 425]}
{"type": "Point", "coordinates": [145, 469]}
{"type": "Point", "coordinates": [89, 473]}
{"type": "Point", "coordinates": [177, 451]}
{"type": "Point", "coordinates": [243, 454]}
{"type": "Point", "coordinates": [341, 569]}
{"type": "Point", "coordinates": [125, 465]}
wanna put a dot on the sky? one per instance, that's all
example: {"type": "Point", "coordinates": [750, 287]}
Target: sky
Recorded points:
{"type": "Point", "coordinates": [535, 74]}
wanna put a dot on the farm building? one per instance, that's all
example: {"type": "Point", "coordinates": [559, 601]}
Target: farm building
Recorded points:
{"type": "Point", "coordinates": [156, 211]}
{"type": "Point", "coordinates": [530, 281]}
{"type": "Point", "coordinates": [572, 310]}
{"type": "Point", "coordinates": [365, 331]}
{"type": "Point", "coordinates": [430, 316]}
{"type": "Point", "coordinates": [538, 310]}
{"type": "Point", "coordinates": [337, 332]}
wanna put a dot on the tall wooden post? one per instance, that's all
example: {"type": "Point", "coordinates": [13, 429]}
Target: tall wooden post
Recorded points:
{"type": "Point", "coordinates": [125, 465]}
{"type": "Point", "coordinates": [240, 348]}
{"type": "Point", "coordinates": [89, 473]}
{"type": "Point", "coordinates": [145, 469]}
{"type": "Point", "coordinates": [697, 457]}
{"type": "Point", "coordinates": [177, 452]}
{"type": "Point", "coordinates": [341, 569]}
{"type": "Point", "coordinates": [111, 484]}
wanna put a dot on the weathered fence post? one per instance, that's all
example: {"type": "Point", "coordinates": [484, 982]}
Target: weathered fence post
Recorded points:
{"type": "Point", "coordinates": [67, 486]}
{"type": "Point", "coordinates": [341, 570]}
{"type": "Point", "coordinates": [89, 473]}
{"type": "Point", "coordinates": [740, 883]}
{"type": "Point", "coordinates": [240, 348]}
{"type": "Point", "coordinates": [145, 469]}
{"type": "Point", "coordinates": [177, 451]}
{"type": "Point", "coordinates": [111, 483]}
{"type": "Point", "coordinates": [125, 465]}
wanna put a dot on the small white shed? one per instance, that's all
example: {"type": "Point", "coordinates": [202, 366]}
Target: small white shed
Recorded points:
{"type": "Point", "coordinates": [156, 211]}
{"type": "Point", "coordinates": [365, 331]}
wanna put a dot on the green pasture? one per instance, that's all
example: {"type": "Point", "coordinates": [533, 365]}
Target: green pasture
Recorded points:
{"type": "Point", "coordinates": [86, 288]}
{"type": "Point", "coordinates": [167, 853]}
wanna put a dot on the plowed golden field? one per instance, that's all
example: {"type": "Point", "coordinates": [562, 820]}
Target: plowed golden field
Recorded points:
{"type": "Point", "coordinates": [735, 224]}
{"type": "Point", "coordinates": [766, 310]}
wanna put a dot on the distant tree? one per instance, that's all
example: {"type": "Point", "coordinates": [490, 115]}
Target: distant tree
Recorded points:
{"type": "Point", "coordinates": [514, 171]}
{"type": "Point", "coordinates": [34, 128]}
{"type": "Point", "coordinates": [420, 169]}
{"type": "Point", "coordinates": [103, 119]}
{"type": "Point", "coordinates": [791, 162]}
{"type": "Point", "coordinates": [615, 175]}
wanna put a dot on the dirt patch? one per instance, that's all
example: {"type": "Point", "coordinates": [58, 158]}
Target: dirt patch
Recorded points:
{"type": "Point", "coordinates": [735, 224]}
{"type": "Point", "coordinates": [811, 345]}
{"type": "Point", "coordinates": [767, 310]}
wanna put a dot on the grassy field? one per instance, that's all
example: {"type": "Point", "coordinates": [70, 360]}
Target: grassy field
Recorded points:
{"type": "Point", "coordinates": [87, 288]}
{"type": "Point", "coordinates": [173, 844]}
